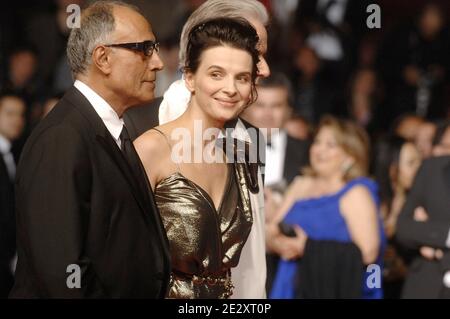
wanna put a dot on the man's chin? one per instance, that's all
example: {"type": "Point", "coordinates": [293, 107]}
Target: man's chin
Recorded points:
{"type": "Point", "coordinates": [145, 99]}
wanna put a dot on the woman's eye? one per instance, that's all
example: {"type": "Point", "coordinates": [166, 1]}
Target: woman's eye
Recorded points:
{"type": "Point", "coordinates": [243, 79]}
{"type": "Point", "coordinates": [216, 75]}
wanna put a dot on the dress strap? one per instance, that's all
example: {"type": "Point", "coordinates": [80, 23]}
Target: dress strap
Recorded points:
{"type": "Point", "coordinates": [168, 144]}
{"type": "Point", "coordinates": [364, 181]}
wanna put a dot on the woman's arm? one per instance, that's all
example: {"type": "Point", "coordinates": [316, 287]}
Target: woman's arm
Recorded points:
{"type": "Point", "coordinates": [360, 213]}
{"type": "Point", "coordinates": [287, 247]}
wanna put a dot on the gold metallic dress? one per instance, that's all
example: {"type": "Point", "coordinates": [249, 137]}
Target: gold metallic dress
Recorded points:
{"type": "Point", "coordinates": [204, 242]}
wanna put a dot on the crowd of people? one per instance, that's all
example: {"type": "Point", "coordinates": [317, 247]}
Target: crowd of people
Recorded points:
{"type": "Point", "coordinates": [356, 131]}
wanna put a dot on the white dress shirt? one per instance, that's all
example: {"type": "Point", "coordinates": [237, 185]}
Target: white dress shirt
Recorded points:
{"type": "Point", "coordinates": [113, 123]}
{"type": "Point", "coordinates": [275, 156]}
{"type": "Point", "coordinates": [5, 151]}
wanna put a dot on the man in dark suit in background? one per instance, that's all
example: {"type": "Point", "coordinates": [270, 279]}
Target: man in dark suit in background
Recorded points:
{"type": "Point", "coordinates": [424, 226]}
{"type": "Point", "coordinates": [285, 155]}
{"type": "Point", "coordinates": [12, 111]}
{"type": "Point", "coordinates": [87, 224]}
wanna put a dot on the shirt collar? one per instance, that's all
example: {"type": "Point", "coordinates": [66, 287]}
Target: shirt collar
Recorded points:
{"type": "Point", "coordinates": [5, 145]}
{"type": "Point", "coordinates": [113, 123]}
{"type": "Point", "coordinates": [278, 138]}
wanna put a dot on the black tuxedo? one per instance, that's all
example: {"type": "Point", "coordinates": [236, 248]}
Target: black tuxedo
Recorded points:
{"type": "Point", "coordinates": [431, 190]}
{"type": "Point", "coordinates": [7, 230]}
{"type": "Point", "coordinates": [79, 202]}
{"type": "Point", "coordinates": [296, 156]}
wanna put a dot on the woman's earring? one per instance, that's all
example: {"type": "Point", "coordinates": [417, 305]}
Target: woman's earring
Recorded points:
{"type": "Point", "coordinates": [346, 166]}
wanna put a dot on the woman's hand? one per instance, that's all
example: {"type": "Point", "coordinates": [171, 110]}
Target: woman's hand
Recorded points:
{"type": "Point", "coordinates": [290, 248]}
{"type": "Point", "coordinates": [420, 214]}
{"type": "Point", "coordinates": [431, 253]}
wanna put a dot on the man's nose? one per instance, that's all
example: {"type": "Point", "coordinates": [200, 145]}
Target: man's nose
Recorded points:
{"type": "Point", "coordinates": [155, 62]}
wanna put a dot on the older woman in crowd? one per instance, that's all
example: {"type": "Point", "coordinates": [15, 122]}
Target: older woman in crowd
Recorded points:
{"type": "Point", "coordinates": [336, 227]}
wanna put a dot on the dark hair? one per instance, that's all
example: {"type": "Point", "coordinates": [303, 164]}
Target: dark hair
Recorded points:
{"type": "Point", "coordinates": [236, 33]}
{"type": "Point", "coordinates": [387, 155]}
{"type": "Point", "coordinates": [278, 80]}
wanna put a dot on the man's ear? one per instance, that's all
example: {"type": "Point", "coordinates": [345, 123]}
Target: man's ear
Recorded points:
{"type": "Point", "coordinates": [101, 59]}
{"type": "Point", "coordinates": [189, 79]}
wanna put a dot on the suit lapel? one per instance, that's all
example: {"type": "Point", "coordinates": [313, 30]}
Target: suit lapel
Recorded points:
{"type": "Point", "coordinates": [106, 141]}
{"type": "Point", "coordinates": [113, 151]}
{"type": "Point", "coordinates": [446, 174]}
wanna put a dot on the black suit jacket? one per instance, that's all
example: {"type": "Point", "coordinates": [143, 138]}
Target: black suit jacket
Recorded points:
{"type": "Point", "coordinates": [7, 230]}
{"type": "Point", "coordinates": [78, 202]}
{"type": "Point", "coordinates": [296, 156]}
{"type": "Point", "coordinates": [431, 190]}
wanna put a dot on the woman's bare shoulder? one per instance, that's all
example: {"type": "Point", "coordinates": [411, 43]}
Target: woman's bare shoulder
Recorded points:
{"type": "Point", "coordinates": [151, 145]}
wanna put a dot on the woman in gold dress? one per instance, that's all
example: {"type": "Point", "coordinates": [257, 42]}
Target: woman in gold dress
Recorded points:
{"type": "Point", "coordinates": [202, 192]}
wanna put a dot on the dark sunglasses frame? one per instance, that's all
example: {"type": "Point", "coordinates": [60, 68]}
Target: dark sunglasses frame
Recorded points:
{"type": "Point", "coordinates": [146, 47]}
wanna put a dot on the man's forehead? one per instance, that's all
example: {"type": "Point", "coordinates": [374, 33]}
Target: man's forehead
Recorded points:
{"type": "Point", "coordinates": [131, 26]}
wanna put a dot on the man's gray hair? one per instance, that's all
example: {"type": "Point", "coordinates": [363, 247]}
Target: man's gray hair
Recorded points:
{"type": "Point", "coordinates": [96, 25]}
{"type": "Point", "coordinates": [213, 9]}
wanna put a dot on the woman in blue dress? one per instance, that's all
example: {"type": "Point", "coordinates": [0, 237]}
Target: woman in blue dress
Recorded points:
{"type": "Point", "coordinates": [333, 201]}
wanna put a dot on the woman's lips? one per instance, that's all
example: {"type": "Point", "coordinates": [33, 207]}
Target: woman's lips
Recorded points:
{"type": "Point", "coordinates": [226, 103]}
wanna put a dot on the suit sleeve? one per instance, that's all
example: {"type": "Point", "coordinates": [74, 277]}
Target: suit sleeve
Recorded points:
{"type": "Point", "coordinates": [414, 234]}
{"type": "Point", "coordinates": [53, 201]}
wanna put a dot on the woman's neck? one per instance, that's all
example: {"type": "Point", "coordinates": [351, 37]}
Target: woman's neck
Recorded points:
{"type": "Point", "coordinates": [199, 123]}
{"type": "Point", "coordinates": [330, 184]}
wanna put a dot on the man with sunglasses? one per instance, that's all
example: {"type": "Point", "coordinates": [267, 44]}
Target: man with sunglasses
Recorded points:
{"type": "Point", "coordinates": [87, 224]}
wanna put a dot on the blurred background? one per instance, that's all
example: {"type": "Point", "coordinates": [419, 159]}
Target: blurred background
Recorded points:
{"type": "Point", "coordinates": [391, 81]}
{"type": "Point", "coordinates": [335, 62]}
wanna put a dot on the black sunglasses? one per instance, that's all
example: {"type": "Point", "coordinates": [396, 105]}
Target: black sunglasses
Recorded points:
{"type": "Point", "coordinates": [145, 47]}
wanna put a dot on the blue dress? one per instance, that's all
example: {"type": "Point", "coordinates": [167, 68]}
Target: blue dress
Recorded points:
{"type": "Point", "coordinates": [321, 219]}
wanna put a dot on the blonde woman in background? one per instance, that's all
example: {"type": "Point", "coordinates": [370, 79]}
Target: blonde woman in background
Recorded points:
{"type": "Point", "coordinates": [335, 202]}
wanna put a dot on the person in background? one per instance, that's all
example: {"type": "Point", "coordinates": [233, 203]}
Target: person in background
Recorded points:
{"type": "Point", "coordinates": [285, 155]}
{"type": "Point", "coordinates": [397, 162]}
{"type": "Point", "coordinates": [12, 121]}
{"type": "Point", "coordinates": [424, 138]}
{"type": "Point", "coordinates": [298, 127]}
{"type": "Point", "coordinates": [171, 73]}
{"type": "Point", "coordinates": [423, 227]}
{"type": "Point", "coordinates": [22, 76]}
{"type": "Point", "coordinates": [406, 126]}
{"type": "Point", "coordinates": [363, 102]}
{"type": "Point", "coordinates": [336, 204]}
{"type": "Point", "coordinates": [441, 140]}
